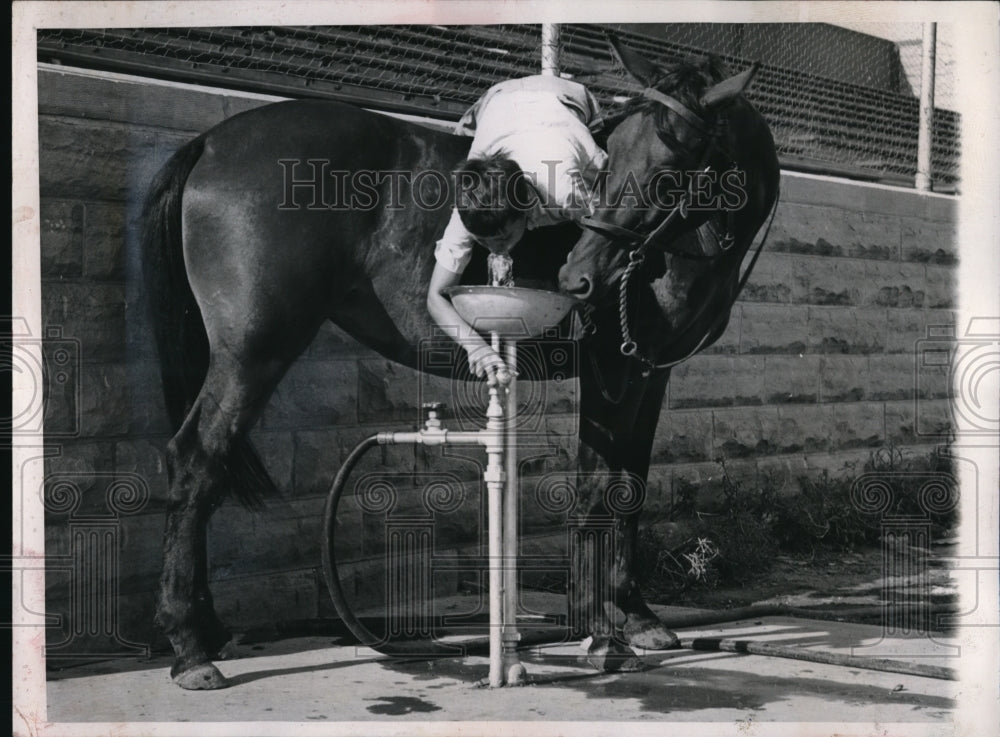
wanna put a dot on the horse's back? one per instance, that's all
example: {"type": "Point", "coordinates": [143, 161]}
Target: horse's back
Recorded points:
{"type": "Point", "coordinates": [278, 225]}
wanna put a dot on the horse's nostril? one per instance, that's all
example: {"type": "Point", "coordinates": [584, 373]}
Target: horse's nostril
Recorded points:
{"type": "Point", "coordinates": [583, 288]}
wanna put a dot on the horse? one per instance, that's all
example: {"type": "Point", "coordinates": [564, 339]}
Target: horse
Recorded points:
{"type": "Point", "coordinates": [245, 256]}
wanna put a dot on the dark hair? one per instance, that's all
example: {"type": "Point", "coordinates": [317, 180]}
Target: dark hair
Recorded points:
{"type": "Point", "coordinates": [491, 193]}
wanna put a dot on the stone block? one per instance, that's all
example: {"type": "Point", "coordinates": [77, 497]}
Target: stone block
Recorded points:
{"type": "Point", "coordinates": [769, 431]}
{"type": "Point", "coordinates": [772, 280]}
{"type": "Point", "coordinates": [62, 238]}
{"type": "Point", "coordinates": [773, 329]}
{"type": "Point", "coordinates": [265, 601]}
{"type": "Point", "coordinates": [716, 381]}
{"type": "Point", "coordinates": [682, 436]}
{"type": "Point", "coordinates": [801, 428]}
{"type": "Point", "coordinates": [58, 385]}
{"type": "Point", "coordinates": [234, 103]}
{"type": "Point", "coordinates": [320, 453]}
{"type": "Point", "coordinates": [285, 535]}
{"type": "Point", "coordinates": [138, 557]}
{"type": "Point", "coordinates": [893, 285]}
{"type": "Point", "coordinates": [314, 394]}
{"type": "Point", "coordinates": [790, 379]}
{"type": "Point", "coordinates": [140, 340]}
{"type": "Point", "coordinates": [829, 281]}
{"type": "Point", "coordinates": [830, 231]}
{"type": "Point", "coordinates": [147, 413]}
{"type": "Point", "coordinates": [919, 422]}
{"type": "Point", "coordinates": [843, 330]}
{"type": "Point", "coordinates": [856, 425]}
{"type": "Point", "coordinates": [69, 94]}
{"type": "Point", "coordinates": [729, 341]}
{"type": "Point", "coordinates": [106, 240]}
{"type": "Point", "coordinates": [86, 465]}
{"type": "Point", "coordinates": [782, 473]}
{"type": "Point", "coordinates": [942, 287]}
{"type": "Point", "coordinates": [843, 378]}
{"type": "Point", "coordinates": [387, 392]}
{"type": "Point", "coordinates": [133, 623]}
{"type": "Point", "coordinates": [94, 159]}
{"type": "Point", "coordinates": [105, 409]}
{"type": "Point", "coordinates": [908, 328]}
{"type": "Point", "coordinates": [554, 450]}
{"type": "Point", "coordinates": [842, 466]}
{"type": "Point", "coordinates": [363, 582]}
{"type": "Point", "coordinates": [93, 314]}
{"type": "Point", "coordinates": [659, 491]}
{"type": "Point", "coordinates": [892, 376]}
{"type": "Point", "coordinates": [930, 242]}
{"type": "Point", "coordinates": [862, 197]}
{"type": "Point", "coordinates": [468, 462]}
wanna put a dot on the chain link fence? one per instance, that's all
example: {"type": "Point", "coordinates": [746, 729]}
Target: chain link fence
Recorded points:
{"type": "Point", "coordinates": [838, 102]}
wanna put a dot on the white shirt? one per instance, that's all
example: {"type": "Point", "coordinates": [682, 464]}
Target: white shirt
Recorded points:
{"type": "Point", "coordinates": [543, 123]}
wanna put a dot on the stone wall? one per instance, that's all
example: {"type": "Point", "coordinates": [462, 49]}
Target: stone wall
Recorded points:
{"type": "Point", "coordinates": [816, 369]}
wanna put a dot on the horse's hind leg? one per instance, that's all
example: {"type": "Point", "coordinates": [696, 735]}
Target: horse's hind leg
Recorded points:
{"type": "Point", "coordinates": [198, 460]}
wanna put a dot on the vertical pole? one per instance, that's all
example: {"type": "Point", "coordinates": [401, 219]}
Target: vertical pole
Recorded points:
{"type": "Point", "coordinates": [494, 477]}
{"type": "Point", "coordinates": [925, 137]}
{"type": "Point", "coordinates": [550, 49]}
{"type": "Point", "coordinates": [513, 670]}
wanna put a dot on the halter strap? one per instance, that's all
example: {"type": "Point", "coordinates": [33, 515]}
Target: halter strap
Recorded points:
{"type": "Point", "coordinates": [695, 121]}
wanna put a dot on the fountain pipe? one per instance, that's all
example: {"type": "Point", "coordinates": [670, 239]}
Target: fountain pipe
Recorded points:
{"type": "Point", "coordinates": [514, 671]}
{"type": "Point", "coordinates": [495, 479]}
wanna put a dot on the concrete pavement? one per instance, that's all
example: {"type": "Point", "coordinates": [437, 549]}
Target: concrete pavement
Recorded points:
{"type": "Point", "coordinates": [322, 679]}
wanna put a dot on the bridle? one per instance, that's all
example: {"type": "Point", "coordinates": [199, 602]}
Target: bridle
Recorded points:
{"type": "Point", "coordinates": [640, 243]}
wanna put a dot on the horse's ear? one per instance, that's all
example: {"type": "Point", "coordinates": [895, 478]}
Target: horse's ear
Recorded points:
{"type": "Point", "coordinates": [729, 88]}
{"type": "Point", "coordinates": [637, 65]}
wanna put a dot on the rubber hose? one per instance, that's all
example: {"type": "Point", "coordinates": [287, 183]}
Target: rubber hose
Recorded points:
{"type": "Point", "coordinates": [365, 636]}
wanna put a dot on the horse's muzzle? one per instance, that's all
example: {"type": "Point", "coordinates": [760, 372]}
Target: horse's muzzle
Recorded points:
{"type": "Point", "coordinates": [580, 286]}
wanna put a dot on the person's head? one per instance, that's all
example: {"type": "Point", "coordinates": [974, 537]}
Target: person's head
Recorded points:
{"type": "Point", "coordinates": [494, 197]}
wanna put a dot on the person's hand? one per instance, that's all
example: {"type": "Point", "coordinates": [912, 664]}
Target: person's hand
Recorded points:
{"type": "Point", "coordinates": [485, 362]}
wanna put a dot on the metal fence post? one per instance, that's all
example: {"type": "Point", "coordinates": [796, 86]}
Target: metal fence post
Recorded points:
{"type": "Point", "coordinates": [925, 138]}
{"type": "Point", "coordinates": [550, 49]}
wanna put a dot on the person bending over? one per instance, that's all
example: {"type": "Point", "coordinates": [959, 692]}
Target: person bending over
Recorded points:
{"type": "Point", "coordinates": [533, 162]}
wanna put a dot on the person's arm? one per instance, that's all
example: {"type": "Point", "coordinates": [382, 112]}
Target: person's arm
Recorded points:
{"type": "Point", "coordinates": [451, 257]}
{"type": "Point", "coordinates": [483, 360]}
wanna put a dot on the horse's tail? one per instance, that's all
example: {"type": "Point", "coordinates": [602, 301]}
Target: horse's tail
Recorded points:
{"type": "Point", "coordinates": [179, 333]}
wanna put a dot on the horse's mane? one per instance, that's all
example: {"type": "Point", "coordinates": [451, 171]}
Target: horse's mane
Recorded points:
{"type": "Point", "coordinates": [685, 80]}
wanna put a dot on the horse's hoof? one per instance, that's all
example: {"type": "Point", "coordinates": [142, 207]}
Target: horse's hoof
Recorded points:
{"type": "Point", "coordinates": [646, 635]}
{"type": "Point", "coordinates": [611, 657]}
{"type": "Point", "coordinates": [203, 677]}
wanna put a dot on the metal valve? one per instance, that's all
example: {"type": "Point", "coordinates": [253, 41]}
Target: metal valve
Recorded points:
{"type": "Point", "coordinates": [433, 417]}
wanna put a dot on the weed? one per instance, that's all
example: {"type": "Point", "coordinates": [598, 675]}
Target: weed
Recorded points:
{"type": "Point", "coordinates": [741, 534]}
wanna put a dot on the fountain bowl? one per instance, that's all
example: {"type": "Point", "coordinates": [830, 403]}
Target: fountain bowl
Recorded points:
{"type": "Point", "coordinates": [513, 313]}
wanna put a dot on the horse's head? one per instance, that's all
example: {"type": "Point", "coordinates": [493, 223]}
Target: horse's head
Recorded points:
{"type": "Point", "coordinates": [655, 145]}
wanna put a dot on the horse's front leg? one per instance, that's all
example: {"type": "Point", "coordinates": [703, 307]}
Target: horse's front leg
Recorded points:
{"type": "Point", "coordinates": [616, 439]}
{"type": "Point", "coordinates": [641, 628]}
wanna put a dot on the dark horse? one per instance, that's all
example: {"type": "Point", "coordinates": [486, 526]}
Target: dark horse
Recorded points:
{"type": "Point", "coordinates": [242, 268]}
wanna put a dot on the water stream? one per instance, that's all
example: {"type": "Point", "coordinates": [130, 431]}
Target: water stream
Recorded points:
{"type": "Point", "coordinates": [501, 269]}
